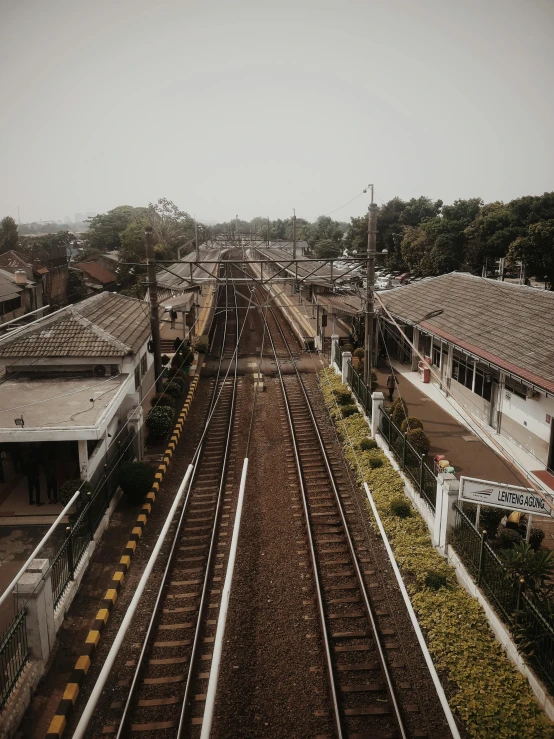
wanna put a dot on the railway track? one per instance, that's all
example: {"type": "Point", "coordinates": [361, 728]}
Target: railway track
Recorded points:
{"type": "Point", "coordinates": [370, 692]}
{"type": "Point", "coordinates": [168, 680]}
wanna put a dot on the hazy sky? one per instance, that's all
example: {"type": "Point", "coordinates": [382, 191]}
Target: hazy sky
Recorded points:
{"type": "Point", "coordinates": [257, 107]}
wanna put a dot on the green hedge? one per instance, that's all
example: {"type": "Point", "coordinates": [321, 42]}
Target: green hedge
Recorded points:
{"type": "Point", "coordinates": [493, 699]}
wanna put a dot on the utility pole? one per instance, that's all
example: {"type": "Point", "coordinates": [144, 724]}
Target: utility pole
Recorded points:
{"type": "Point", "coordinates": [196, 239]}
{"type": "Point", "coordinates": [369, 307]}
{"type": "Point", "coordinates": [154, 309]}
{"type": "Point", "coordinates": [236, 228]}
{"type": "Point", "coordinates": [294, 234]}
{"type": "Point", "coordinates": [268, 231]}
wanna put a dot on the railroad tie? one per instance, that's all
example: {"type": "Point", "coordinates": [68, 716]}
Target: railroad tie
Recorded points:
{"type": "Point", "coordinates": [71, 692]}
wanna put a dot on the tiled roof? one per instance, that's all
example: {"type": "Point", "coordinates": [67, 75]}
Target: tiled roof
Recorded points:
{"type": "Point", "coordinates": [15, 260]}
{"type": "Point", "coordinates": [105, 325]}
{"type": "Point", "coordinates": [509, 325]}
{"type": "Point", "coordinates": [8, 289]}
{"type": "Point", "coordinates": [97, 271]}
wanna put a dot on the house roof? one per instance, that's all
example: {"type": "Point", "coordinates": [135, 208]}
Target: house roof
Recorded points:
{"type": "Point", "coordinates": [509, 325]}
{"type": "Point", "coordinates": [104, 325]}
{"type": "Point", "coordinates": [96, 271]}
{"type": "Point", "coordinates": [8, 289]}
{"type": "Point", "coordinates": [14, 260]}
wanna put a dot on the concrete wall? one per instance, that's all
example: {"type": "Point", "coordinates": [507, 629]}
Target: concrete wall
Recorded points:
{"type": "Point", "coordinates": [473, 403]}
{"type": "Point", "coordinates": [523, 421]}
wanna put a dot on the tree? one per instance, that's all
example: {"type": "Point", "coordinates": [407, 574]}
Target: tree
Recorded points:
{"type": "Point", "coordinates": [132, 252]}
{"type": "Point", "coordinates": [105, 228]}
{"type": "Point", "coordinates": [171, 226]}
{"type": "Point", "coordinates": [537, 251]}
{"type": "Point", "coordinates": [76, 288]}
{"type": "Point", "coordinates": [490, 234]}
{"type": "Point", "coordinates": [327, 249]}
{"type": "Point", "coordinates": [9, 237]}
{"type": "Point", "coordinates": [326, 229]}
{"type": "Point", "coordinates": [356, 235]}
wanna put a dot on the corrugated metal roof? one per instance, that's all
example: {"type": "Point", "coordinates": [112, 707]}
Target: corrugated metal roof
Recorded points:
{"type": "Point", "coordinates": [509, 325]}
{"type": "Point", "coordinates": [96, 271]}
{"type": "Point", "coordinates": [8, 289]}
{"type": "Point", "coordinates": [105, 325]}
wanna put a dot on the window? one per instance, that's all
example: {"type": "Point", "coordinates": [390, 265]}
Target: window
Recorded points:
{"type": "Point", "coordinates": [143, 365]}
{"type": "Point", "coordinates": [462, 370]}
{"type": "Point", "coordinates": [137, 377]}
{"type": "Point", "coordinates": [483, 384]}
{"type": "Point", "coordinates": [436, 358]}
{"type": "Point", "coordinates": [516, 388]}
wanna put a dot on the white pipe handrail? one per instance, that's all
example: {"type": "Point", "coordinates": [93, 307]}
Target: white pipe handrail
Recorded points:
{"type": "Point", "coordinates": [415, 622]}
{"type": "Point", "coordinates": [119, 637]}
{"type": "Point", "coordinates": [8, 591]}
{"type": "Point", "coordinates": [209, 706]}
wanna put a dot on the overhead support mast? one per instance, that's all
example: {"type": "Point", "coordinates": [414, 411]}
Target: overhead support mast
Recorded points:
{"type": "Point", "coordinates": [369, 305]}
{"type": "Point", "coordinates": [154, 308]}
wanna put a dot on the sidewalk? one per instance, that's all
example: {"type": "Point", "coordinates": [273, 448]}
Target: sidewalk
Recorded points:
{"type": "Point", "coordinates": [450, 434]}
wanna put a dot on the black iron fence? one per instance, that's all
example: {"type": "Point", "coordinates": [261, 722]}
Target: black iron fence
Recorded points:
{"type": "Point", "coordinates": [359, 388]}
{"type": "Point", "coordinates": [414, 464]}
{"type": "Point", "coordinates": [90, 510]}
{"type": "Point", "coordinates": [14, 655]}
{"type": "Point", "coordinates": [533, 631]}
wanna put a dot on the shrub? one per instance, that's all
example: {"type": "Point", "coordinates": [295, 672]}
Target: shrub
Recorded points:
{"type": "Point", "coordinates": [400, 507]}
{"type": "Point", "coordinates": [160, 421]}
{"type": "Point", "coordinates": [135, 479]}
{"type": "Point", "coordinates": [419, 440]}
{"type": "Point", "coordinates": [410, 423]}
{"type": "Point", "coordinates": [201, 344]}
{"type": "Point", "coordinates": [177, 360]}
{"type": "Point", "coordinates": [399, 411]}
{"type": "Point", "coordinates": [175, 372]}
{"type": "Point", "coordinates": [343, 397]}
{"type": "Point", "coordinates": [165, 359]}
{"type": "Point", "coordinates": [490, 519]}
{"type": "Point", "coordinates": [508, 538]}
{"type": "Point", "coordinates": [367, 444]}
{"type": "Point", "coordinates": [174, 389]}
{"type": "Point", "coordinates": [188, 356]}
{"type": "Point", "coordinates": [375, 462]}
{"type": "Point", "coordinates": [160, 399]}
{"type": "Point", "coordinates": [535, 538]}
{"type": "Point", "coordinates": [70, 487]}
{"type": "Point", "coordinates": [348, 410]}
{"type": "Point", "coordinates": [359, 353]}
{"type": "Point", "coordinates": [374, 382]}
{"type": "Point", "coordinates": [435, 580]}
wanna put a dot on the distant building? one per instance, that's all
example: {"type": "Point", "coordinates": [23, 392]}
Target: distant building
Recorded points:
{"type": "Point", "coordinates": [35, 292]}
{"type": "Point", "coordinates": [96, 275]}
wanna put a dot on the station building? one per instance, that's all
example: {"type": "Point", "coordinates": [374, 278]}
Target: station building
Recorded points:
{"type": "Point", "coordinates": [73, 386]}
{"type": "Point", "coordinates": [491, 347]}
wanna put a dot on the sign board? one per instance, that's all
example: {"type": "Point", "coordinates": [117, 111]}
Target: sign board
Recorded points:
{"type": "Point", "coordinates": [484, 492]}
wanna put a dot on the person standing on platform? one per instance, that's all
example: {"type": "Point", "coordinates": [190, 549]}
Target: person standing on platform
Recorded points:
{"type": "Point", "coordinates": [391, 385]}
{"type": "Point", "coordinates": [173, 316]}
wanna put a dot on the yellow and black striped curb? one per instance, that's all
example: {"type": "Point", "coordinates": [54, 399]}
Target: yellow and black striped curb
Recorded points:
{"type": "Point", "coordinates": [82, 665]}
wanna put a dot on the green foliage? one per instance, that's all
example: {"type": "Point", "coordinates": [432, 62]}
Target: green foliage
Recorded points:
{"type": "Point", "coordinates": [343, 398]}
{"type": "Point", "coordinates": [435, 580]}
{"type": "Point", "coordinates": [347, 347]}
{"type": "Point", "coordinates": [359, 353]}
{"type": "Point", "coordinates": [419, 440]}
{"type": "Point", "coordinates": [374, 381]}
{"type": "Point", "coordinates": [9, 237]}
{"type": "Point", "coordinates": [162, 399]}
{"type": "Point", "coordinates": [327, 249]}
{"type": "Point", "coordinates": [400, 507]}
{"type": "Point", "coordinates": [165, 359]}
{"type": "Point", "coordinates": [375, 461]}
{"type": "Point", "coordinates": [489, 520]}
{"type": "Point", "coordinates": [105, 228]}
{"type": "Point", "coordinates": [410, 423]}
{"type": "Point", "coordinates": [535, 567]}
{"type": "Point", "coordinates": [174, 388]}
{"type": "Point", "coordinates": [398, 412]}
{"type": "Point", "coordinates": [367, 445]}
{"type": "Point", "coordinates": [135, 479]}
{"type": "Point", "coordinates": [348, 410]}
{"type": "Point", "coordinates": [76, 288]}
{"type": "Point", "coordinates": [70, 487]}
{"type": "Point", "coordinates": [507, 538]}
{"type": "Point", "coordinates": [489, 695]}
{"type": "Point", "coordinates": [160, 421]}
{"type": "Point", "coordinates": [535, 538]}
{"type": "Point", "coordinates": [175, 372]}
{"type": "Point", "coordinates": [201, 344]}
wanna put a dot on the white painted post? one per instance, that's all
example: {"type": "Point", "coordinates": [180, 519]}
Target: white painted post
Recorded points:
{"type": "Point", "coordinates": [334, 344]}
{"type": "Point", "coordinates": [447, 494]}
{"type": "Point", "coordinates": [346, 357]}
{"type": "Point", "coordinates": [377, 400]}
{"type": "Point", "coordinates": [83, 458]}
{"type": "Point", "coordinates": [34, 591]}
{"type": "Point", "coordinates": [415, 356]}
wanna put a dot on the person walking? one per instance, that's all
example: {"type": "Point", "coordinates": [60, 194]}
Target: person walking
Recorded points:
{"type": "Point", "coordinates": [173, 316]}
{"type": "Point", "coordinates": [33, 477]}
{"type": "Point", "coordinates": [177, 344]}
{"type": "Point", "coordinates": [391, 385]}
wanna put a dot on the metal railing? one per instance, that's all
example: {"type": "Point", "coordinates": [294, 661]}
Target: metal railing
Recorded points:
{"type": "Point", "coordinates": [337, 356]}
{"type": "Point", "coordinates": [14, 655]}
{"type": "Point", "coordinates": [81, 533]}
{"type": "Point", "coordinates": [533, 631]}
{"type": "Point", "coordinates": [412, 463]}
{"type": "Point", "coordinates": [359, 388]}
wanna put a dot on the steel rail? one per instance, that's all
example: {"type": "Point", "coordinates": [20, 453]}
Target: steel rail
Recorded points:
{"type": "Point", "coordinates": [176, 538]}
{"type": "Point", "coordinates": [371, 616]}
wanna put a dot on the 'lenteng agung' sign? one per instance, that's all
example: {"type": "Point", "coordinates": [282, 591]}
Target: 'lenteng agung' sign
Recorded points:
{"type": "Point", "coordinates": [495, 494]}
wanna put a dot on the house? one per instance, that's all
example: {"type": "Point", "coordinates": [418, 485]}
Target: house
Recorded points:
{"type": "Point", "coordinates": [74, 379]}
{"type": "Point", "coordinates": [96, 275]}
{"type": "Point", "coordinates": [36, 273]}
{"type": "Point", "coordinates": [17, 295]}
{"type": "Point", "coordinates": [55, 260]}
{"type": "Point", "coordinates": [491, 343]}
